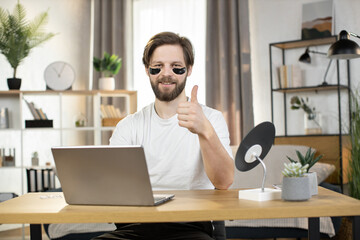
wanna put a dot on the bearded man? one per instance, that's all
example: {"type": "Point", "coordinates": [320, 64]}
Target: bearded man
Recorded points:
{"type": "Point", "coordinates": [186, 144]}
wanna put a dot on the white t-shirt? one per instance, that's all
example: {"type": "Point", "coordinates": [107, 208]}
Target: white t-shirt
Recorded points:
{"type": "Point", "coordinates": [172, 152]}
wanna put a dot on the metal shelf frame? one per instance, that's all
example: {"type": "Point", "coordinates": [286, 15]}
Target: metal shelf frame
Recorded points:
{"type": "Point", "coordinates": [338, 88]}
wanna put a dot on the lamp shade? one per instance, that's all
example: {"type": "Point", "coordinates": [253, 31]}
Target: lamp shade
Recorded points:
{"type": "Point", "coordinates": [344, 48]}
{"type": "Point", "coordinates": [305, 58]}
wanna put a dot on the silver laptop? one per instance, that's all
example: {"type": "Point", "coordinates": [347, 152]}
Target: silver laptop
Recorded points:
{"type": "Point", "coordinates": [105, 175]}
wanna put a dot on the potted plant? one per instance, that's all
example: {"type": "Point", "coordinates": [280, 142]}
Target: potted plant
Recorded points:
{"type": "Point", "coordinates": [19, 36]}
{"type": "Point", "coordinates": [295, 185]}
{"type": "Point", "coordinates": [109, 66]}
{"type": "Point", "coordinates": [311, 118]}
{"type": "Point", "coordinates": [354, 160]}
{"type": "Point", "coordinates": [309, 160]}
{"type": "Point", "coordinates": [353, 173]}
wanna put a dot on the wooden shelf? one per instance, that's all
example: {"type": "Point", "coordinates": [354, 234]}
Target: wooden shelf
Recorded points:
{"type": "Point", "coordinates": [69, 92]}
{"type": "Point", "coordinates": [311, 88]}
{"type": "Point", "coordinates": [304, 43]}
{"type": "Point", "coordinates": [64, 108]}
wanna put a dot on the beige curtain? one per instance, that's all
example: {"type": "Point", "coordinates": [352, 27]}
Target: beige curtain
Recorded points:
{"type": "Point", "coordinates": [109, 35]}
{"type": "Point", "coordinates": [228, 76]}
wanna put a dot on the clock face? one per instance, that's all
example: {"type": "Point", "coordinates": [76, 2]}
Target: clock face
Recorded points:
{"type": "Point", "coordinates": [59, 76]}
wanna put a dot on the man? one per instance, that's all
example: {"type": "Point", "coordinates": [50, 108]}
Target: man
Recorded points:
{"type": "Point", "coordinates": [186, 144]}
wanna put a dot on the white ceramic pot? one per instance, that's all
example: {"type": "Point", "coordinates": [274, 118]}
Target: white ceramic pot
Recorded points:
{"type": "Point", "coordinates": [295, 188]}
{"type": "Point", "coordinates": [106, 83]}
{"type": "Point", "coordinates": [313, 182]}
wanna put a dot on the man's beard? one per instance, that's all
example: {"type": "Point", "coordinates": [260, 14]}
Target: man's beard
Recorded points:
{"type": "Point", "coordinates": [167, 96]}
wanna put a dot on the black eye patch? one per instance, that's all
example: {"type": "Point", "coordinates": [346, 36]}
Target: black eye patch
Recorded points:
{"type": "Point", "coordinates": [154, 71]}
{"type": "Point", "coordinates": [179, 71]}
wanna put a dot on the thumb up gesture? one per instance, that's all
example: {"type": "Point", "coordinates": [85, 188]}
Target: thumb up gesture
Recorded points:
{"type": "Point", "coordinates": [194, 94]}
{"type": "Point", "coordinates": [191, 115]}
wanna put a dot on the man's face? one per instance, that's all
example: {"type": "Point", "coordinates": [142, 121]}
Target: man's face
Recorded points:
{"type": "Point", "coordinates": [166, 77]}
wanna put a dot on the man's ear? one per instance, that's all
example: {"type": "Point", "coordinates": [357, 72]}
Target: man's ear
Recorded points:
{"type": "Point", "coordinates": [147, 71]}
{"type": "Point", "coordinates": [189, 71]}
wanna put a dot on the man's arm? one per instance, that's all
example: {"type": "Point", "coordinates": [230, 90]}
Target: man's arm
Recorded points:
{"type": "Point", "coordinates": [218, 164]}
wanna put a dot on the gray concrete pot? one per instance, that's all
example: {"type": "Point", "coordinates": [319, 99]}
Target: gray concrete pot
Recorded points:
{"type": "Point", "coordinates": [295, 189]}
{"type": "Point", "coordinates": [313, 182]}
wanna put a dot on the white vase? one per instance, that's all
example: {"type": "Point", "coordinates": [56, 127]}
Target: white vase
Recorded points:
{"type": "Point", "coordinates": [295, 188]}
{"type": "Point", "coordinates": [313, 182]}
{"type": "Point", "coordinates": [312, 123]}
{"type": "Point", "coordinates": [107, 83]}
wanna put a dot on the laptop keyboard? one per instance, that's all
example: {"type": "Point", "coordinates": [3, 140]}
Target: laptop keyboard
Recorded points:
{"type": "Point", "coordinates": [159, 198]}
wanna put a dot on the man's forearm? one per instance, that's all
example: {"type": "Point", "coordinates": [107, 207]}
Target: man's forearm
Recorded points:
{"type": "Point", "coordinates": [218, 164]}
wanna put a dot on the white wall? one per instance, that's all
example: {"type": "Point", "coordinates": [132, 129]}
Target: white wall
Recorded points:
{"type": "Point", "coordinates": [280, 20]}
{"type": "Point", "coordinates": [71, 21]}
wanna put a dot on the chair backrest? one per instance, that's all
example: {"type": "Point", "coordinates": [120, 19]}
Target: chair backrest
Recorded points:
{"type": "Point", "coordinates": [274, 162]}
{"type": "Point", "coordinates": [219, 230]}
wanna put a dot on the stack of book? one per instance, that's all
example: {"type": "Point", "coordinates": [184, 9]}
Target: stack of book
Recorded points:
{"type": "Point", "coordinates": [290, 76]}
{"type": "Point", "coordinates": [37, 113]}
{"type": "Point", "coordinates": [110, 115]}
{"type": "Point", "coordinates": [40, 118]}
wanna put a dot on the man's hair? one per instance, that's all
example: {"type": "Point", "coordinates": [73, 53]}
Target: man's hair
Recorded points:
{"type": "Point", "coordinates": [170, 38]}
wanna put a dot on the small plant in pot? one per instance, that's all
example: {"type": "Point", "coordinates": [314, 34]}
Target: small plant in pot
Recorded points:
{"type": "Point", "coordinates": [309, 160]}
{"type": "Point", "coordinates": [109, 66]}
{"type": "Point", "coordinates": [19, 36]}
{"type": "Point", "coordinates": [295, 185]}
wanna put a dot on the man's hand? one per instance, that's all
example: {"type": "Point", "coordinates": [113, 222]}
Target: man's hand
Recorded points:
{"type": "Point", "coordinates": [191, 116]}
{"type": "Point", "coordinates": [218, 165]}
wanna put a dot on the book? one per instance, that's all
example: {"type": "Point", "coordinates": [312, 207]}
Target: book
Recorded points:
{"type": "Point", "coordinates": [297, 80]}
{"type": "Point", "coordinates": [32, 110]}
{"type": "Point", "coordinates": [118, 113]}
{"type": "Point", "coordinates": [42, 114]}
{"type": "Point", "coordinates": [283, 76]}
{"type": "Point", "coordinates": [109, 111]}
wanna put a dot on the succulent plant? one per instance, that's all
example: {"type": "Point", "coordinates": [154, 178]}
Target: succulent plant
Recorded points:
{"type": "Point", "coordinates": [309, 158]}
{"type": "Point", "coordinates": [294, 169]}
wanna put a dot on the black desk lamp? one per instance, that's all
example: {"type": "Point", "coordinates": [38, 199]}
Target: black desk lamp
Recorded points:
{"type": "Point", "coordinates": [305, 58]}
{"type": "Point", "coordinates": [344, 48]}
{"type": "Point", "coordinates": [252, 151]}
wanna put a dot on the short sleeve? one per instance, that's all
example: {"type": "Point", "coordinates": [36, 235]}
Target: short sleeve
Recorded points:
{"type": "Point", "coordinates": [122, 134]}
{"type": "Point", "coordinates": [218, 122]}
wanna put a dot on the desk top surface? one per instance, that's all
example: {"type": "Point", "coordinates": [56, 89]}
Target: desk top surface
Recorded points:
{"type": "Point", "coordinates": [193, 205]}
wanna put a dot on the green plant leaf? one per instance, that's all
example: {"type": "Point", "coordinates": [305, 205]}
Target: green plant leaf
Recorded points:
{"type": "Point", "coordinates": [301, 158]}
{"type": "Point", "coordinates": [291, 160]}
{"type": "Point", "coordinates": [18, 36]}
{"type": "Point", "coordinates": [108, 65]}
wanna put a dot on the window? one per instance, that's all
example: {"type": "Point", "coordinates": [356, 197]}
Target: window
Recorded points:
{"type": "Point", "coordinates": [185, 17]}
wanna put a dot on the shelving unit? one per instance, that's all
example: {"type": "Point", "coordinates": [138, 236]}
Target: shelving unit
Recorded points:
{"type": "Point", "coordinates": [62, 107]}
{"type": "Point", "coordinates": [337, 92]}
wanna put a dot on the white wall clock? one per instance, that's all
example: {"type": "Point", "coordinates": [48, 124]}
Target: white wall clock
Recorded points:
{"type": "Point", "coordinates": [59, 76]}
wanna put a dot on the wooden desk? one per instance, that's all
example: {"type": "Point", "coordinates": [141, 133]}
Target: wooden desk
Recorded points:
{"type": "Point", "coordinates": [195, 205]}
